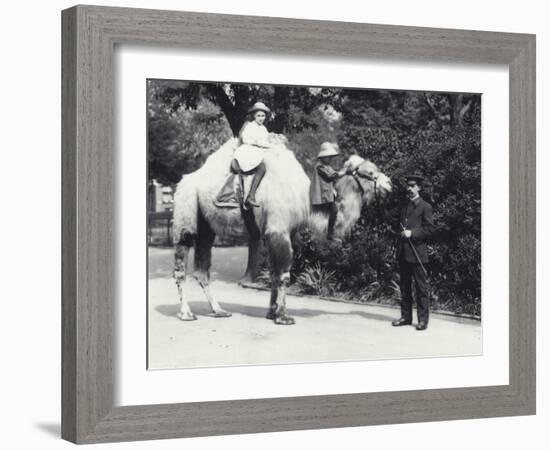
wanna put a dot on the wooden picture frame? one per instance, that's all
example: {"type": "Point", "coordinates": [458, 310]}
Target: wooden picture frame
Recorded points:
{"type": "Point", "coordinates": [89, 37]}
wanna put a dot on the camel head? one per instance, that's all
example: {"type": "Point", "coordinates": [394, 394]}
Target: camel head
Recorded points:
{"type": "Point", "coordinates": [375, 185]}
{"type": "Point", "coordinates": [365, 185]}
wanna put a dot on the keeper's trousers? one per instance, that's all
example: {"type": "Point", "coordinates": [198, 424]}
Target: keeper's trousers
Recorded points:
{"type": "Point", "coordinates": [413, 273]}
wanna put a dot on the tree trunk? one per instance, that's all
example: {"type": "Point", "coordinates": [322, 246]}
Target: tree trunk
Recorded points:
{"type": "Point", "coordinates": [433, 111]}
{"type": "Point", "coordinates": [458, 109]}
{"type": "Point", "coordinates": [233, 115]}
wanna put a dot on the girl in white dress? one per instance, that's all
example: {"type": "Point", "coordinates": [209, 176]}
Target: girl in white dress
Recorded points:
{"type": "Point", "coordinates": [253, 139]}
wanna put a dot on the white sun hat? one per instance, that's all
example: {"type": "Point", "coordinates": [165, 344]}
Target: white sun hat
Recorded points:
{"type": "Point", "coordinates": [328, 149]}
{"type": "Point", "coordinates": [259, 106]}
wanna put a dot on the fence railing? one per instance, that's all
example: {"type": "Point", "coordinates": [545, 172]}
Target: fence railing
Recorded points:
{"type": "Point", "coordinates": [159, 228]}
{"type": "Point", "coordinates": [159, 232]}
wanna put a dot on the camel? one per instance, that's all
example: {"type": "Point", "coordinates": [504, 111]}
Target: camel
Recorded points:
{"type": "Point", "coordinates": [285, 208]}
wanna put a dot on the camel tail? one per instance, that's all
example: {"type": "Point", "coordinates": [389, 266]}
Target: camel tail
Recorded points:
{"type": "Point", "coordinates": [186, 208]}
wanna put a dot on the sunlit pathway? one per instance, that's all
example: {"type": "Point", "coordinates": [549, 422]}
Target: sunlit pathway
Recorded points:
{"type": "Point", "coordinates": [324, 330]}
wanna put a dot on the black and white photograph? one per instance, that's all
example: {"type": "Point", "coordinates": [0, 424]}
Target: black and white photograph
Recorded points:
{"type": "Point", "coordinates": [307, 224]}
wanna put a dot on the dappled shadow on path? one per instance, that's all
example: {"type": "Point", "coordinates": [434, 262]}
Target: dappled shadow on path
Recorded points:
{"type": "Point", "coordinates": [203, 309]}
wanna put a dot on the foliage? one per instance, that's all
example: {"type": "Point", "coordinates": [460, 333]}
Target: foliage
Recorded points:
{"type": "Point", "coordinates": [180, 140]}
{"type": "Point", "coordinates": [317, 280]}
{"type": "Point", "coordinates": [399, 132]}
{"type": "Point", "coordinates": [290, 105]}
{"type": "Point", "coordinates": [402, 133]}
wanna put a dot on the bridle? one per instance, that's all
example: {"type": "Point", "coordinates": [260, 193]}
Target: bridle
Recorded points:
{"type": "Point", "coordinates": [380, 215]}
{"type": "Point", "coordinates": [356, 175]}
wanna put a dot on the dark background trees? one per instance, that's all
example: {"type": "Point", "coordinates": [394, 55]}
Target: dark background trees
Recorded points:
{"type": "Point", "coordinates": [438, 134]}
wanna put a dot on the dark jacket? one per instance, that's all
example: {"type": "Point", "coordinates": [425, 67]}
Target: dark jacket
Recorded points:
{"type": "Point", "coordinates": [322, 184]}
{"type": "Point", "coordinates": [416, 217]}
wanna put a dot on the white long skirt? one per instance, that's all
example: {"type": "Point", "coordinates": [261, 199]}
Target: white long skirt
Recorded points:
{"type": "Point", "coordinates": [249, 156]}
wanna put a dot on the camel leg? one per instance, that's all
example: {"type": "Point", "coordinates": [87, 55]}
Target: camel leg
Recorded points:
{"type": "Point", "coordinates": [180, 273]}
{"type": "Point", "coordinates": [254, 254]}
{"type": "Point", "coordinates": [203, 261]}
{"type": "Point", "coordinates": [254, 248]}
{"type": "Point", "coordinates": [280, 254]}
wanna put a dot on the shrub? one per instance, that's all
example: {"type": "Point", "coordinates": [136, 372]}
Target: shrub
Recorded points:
{"type": "Point", "coordinates": [365, 266]}
{"type": "Point", "coordinates": [317, 280]}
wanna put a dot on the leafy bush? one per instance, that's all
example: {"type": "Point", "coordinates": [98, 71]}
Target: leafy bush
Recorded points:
{"type": "Point", "coordinates": [361, 265]}
{"type": "Point", "coordinates": [317, 280]}
{"type": "Point", "coordinates": [449, 156]}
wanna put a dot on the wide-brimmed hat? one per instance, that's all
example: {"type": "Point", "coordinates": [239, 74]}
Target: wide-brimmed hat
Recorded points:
{"type": "Point", "coordinates": [414, 177]}
{"type": "Point", "coordinates": [328, 149]}
{"type": "Point", "coordinates": [259, 106]}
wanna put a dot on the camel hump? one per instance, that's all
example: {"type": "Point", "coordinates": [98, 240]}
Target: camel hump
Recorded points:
{"type": "Point", "coordinates": [278, 139]}
{"type": "Point", "coordinates": [283, 192]}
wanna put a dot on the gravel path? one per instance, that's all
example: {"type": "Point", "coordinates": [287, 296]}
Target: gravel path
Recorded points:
{"type": "Point", "coordinates": [324, 330]}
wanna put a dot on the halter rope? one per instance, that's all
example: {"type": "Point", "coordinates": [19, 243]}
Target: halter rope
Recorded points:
{"type": "Point", "coordinates": [357, 175]}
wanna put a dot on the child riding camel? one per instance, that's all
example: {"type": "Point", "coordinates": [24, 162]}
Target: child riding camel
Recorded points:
{"type": "Point", "coordinates": [323, 194]}
{"type": "Point", "coordinates": [248, 157]}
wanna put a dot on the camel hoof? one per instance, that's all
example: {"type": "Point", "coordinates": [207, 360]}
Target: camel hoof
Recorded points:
{"type": "Point", "coordinates": [187, 317]}
{"type": "Point", "coordinates": [221, 313]}
{"type": "Point", "coordinates": [284, 320]}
